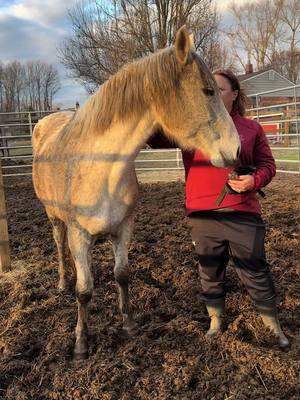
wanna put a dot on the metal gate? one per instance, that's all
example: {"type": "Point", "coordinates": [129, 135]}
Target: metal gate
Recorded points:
{"type": "Point", "coordinates": [281, 122]}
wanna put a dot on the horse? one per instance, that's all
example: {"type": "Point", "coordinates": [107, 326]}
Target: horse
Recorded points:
{"type": "Point", "coordinates": [83, 166]}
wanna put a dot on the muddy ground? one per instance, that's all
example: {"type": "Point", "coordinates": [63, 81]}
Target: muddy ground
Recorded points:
{"type": "Point", "coordinates": [170, 357]}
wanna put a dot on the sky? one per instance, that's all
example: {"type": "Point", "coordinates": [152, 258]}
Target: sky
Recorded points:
{"type": "Point", "coordinates": [35, 29]}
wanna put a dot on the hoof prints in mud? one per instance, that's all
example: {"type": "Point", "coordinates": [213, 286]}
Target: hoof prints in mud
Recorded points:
{"type": "Point", "coordinates": [169, 358]}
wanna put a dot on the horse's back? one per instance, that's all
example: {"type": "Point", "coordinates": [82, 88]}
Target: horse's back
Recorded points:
{"type": "Point", "coordinates": [47, 129]}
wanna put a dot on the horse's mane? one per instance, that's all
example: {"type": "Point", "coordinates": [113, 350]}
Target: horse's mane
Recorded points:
{"type": "Point", "coordinates": [127, 93]}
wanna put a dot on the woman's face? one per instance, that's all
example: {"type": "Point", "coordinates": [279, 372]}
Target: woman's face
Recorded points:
{"type": "Point", "coordinates": [227, 94]}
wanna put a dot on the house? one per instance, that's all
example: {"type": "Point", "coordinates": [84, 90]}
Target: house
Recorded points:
{"type": "Point", "coordinates": [268, 80]}
{"type": "Point", "coordinates": [273, 99]}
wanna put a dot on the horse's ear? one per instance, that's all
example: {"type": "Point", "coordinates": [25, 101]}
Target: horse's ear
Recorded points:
{"type": "Point", "coordinates": [183, 45]}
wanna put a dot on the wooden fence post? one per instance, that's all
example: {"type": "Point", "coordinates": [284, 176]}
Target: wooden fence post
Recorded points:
{"type": "Point", "coordinates": [5, 263]}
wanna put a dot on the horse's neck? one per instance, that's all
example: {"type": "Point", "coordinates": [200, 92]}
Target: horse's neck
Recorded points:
{"type": "Point", "coordinates": [128, 137]}
{"type": "Point", "coordinates": [122, 141]}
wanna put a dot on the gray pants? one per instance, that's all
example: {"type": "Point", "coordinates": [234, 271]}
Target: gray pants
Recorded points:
{"type": "Point", "coordinates": [241, 235]}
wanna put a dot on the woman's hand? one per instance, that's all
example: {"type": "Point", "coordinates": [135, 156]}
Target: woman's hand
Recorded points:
{"type": "Point", "coordinates": [242, 183]}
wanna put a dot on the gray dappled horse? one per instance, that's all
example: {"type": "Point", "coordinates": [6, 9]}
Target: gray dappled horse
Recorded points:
{"type": "Point", "coordinates": [83, 167]}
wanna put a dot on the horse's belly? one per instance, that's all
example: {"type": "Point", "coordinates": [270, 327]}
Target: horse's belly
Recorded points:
{"type": "Point", "coordinates": [95, 194]}
{"type": "Point", "coordinates": [106, 219]}
{"type": "Point", "coordinates": [102, 196]}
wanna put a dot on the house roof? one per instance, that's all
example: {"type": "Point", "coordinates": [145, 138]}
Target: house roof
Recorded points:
{"type": "Point", "coordinates": [246, 77]}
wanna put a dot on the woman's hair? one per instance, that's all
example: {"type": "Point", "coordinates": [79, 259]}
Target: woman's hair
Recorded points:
{"type": "Point", "coordinates": [241, 100]}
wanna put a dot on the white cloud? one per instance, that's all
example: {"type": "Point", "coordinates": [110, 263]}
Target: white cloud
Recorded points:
{"type": "Point", "coordinates": [222, 5]}
{"type": "Point", "coordinates": [33, 30]}
{"type": "Point", "coordinates": [41, 12]}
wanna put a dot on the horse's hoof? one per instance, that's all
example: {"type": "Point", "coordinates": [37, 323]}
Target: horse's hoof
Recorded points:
{"type": "Point", "coordinates": [283, 342]}
{"type": "Point", "coordinates": [212, 333]}
{"type": "Point", "coordinates": [80, 356]}
{"type": "Point", "coordinates": [61, 287]}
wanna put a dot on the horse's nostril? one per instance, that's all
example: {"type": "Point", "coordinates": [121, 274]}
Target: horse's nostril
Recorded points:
{"type": "Point", "coordinates": [238, 152]}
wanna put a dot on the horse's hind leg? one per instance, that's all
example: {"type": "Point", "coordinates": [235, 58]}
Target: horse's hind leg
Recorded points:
{"type": "Point", "coordinates": [79, 244]}
{"type": "Point", "coordinates": [59, 234]}
{"type": "Point", "coordinates": [120, 246]}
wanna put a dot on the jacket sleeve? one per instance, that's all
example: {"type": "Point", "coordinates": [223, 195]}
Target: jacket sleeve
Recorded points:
{"type": "Point", "coordinates": [263, 160]}
{"type": "Point", "coordinates": [159, 141]}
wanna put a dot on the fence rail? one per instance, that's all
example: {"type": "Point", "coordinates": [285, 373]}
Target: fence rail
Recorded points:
{"type": "Point", "coordinates": [280, 121]}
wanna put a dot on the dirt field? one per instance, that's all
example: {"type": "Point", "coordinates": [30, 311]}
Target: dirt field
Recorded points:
{"type": "Point", "coordinates": [170, 357]}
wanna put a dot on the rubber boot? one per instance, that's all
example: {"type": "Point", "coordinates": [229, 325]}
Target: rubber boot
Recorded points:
{"type": "Point", "coordinates": [268, 312]}
{"type": "Point", "coordinates": [215, 309]}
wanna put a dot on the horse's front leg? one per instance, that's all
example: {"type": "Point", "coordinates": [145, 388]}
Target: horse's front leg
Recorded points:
{"type": "Point", "coordinates": [121, 243]}
{"type": "Point", "coordinates": [80, 244]}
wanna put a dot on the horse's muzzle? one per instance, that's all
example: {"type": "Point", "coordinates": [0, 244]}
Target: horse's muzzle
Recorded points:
{"type": "Point", "coordinates": [226, 159]}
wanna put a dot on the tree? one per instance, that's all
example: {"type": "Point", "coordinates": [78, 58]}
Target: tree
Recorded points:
{"type": "Point", "coordinates": [13, 83]}
{"type": "Point", "coordinates": [51, 86]}
{"type": "Point", "coordinates": [256, 31]}
{"type": "Point", "coordinates": [108, 34]}
{"type": "Point", "coordinates": [29, 86]}
{"type": "Point", "coordinates": [1, 86]}
{"type": "Point", "coordinates": [290, 17]}
{"type": "Point", "coordinates": [219, 56]}
{"type": "Point", "coordinates": [287, 64]}
{"type": "Point", "coordinates": [42, 84]}
{"type": "Point", "coordinates": [265, 33]}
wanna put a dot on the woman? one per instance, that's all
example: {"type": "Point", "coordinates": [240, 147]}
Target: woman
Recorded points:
{"type": "Point", "coordinates": [224, 214]}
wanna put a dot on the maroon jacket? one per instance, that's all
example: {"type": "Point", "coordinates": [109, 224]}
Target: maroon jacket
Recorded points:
{"type": "Point", "coordinates": [204, 182]}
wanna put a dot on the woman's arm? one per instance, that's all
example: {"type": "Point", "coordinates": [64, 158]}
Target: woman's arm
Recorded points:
{"type": "Point", "coordinates": [263, 161]}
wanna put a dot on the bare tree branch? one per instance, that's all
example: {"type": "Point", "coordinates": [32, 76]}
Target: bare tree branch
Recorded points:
{"type": "Point", "coordinates": [108, 34]}
{"type": "Point", "coordinates": [27, 87]}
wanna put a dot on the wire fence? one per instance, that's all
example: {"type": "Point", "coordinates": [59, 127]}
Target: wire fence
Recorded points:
{"type": "Point", "coordinates": [279, 114]}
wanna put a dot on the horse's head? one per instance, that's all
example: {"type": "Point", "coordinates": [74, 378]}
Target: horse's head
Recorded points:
{"type": "Point", "coordinates": [193, 113]}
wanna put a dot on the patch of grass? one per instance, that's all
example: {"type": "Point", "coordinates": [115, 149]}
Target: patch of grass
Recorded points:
{"type": "Point", "coordinates": [286, 154]}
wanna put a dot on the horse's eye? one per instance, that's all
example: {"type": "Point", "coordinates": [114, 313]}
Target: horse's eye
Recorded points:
{"type": "Point", "coordinates": [208, 91]}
